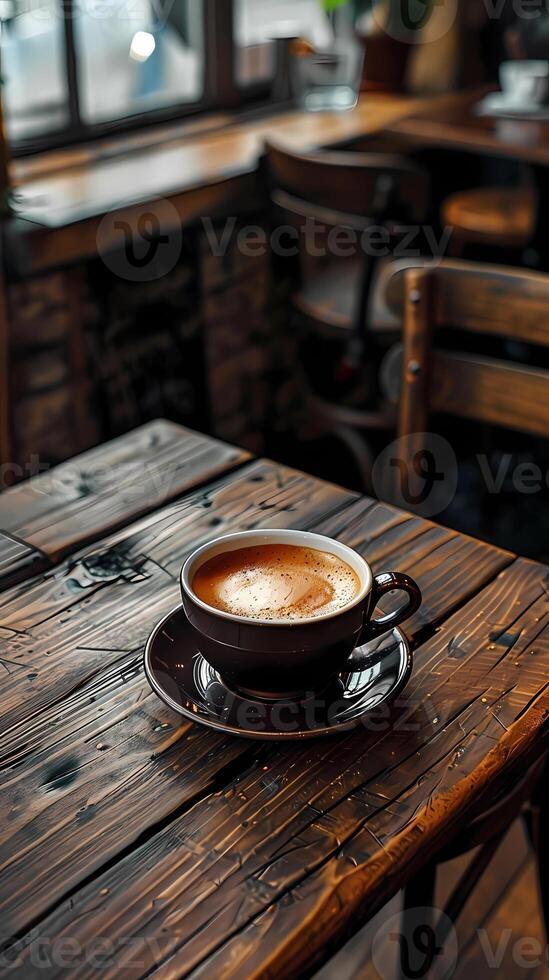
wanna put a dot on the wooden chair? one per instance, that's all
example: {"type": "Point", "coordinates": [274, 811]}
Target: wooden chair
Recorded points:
{"type": "Point", "coordinates": [483, 300]}
{"type": "Point", "coordinates": [354, 191]}
{"type": "Point", "coordinates": [495, 302]}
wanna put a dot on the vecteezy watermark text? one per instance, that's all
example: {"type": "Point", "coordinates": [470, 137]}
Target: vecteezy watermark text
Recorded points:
{"type": "Point", "coordinates": [318, 240]}
{"type": "Point", "coordinates": [420, 472]}
{"type": "Point", "coordinates": [417, 471]}
{"type": "Point", "coordinates": [146, 242]}
{"type": "Point", "coordinates": [524, 477]}
{"type": "Point", "coordinates": [130, 11]}
{"type": "Point", "coordinates": [66, 952]}
{"type": "Point", "coordinates": [12, 472]}
{"type": "Point", "coordinates": [522, 9]}
{"type": "Point", "coordinates": [421, 944]}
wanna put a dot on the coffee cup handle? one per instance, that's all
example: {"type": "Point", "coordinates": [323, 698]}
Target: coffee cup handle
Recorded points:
{"type": "Point", "coordinates": [383, 583]}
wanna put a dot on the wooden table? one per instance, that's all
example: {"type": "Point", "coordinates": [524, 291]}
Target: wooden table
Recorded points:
{"type": "Point", "coordinates": [159, 848]}
{"type": "Point", "coordinates": [451, 121]}
{"type": "Point", "coordinates": [48, 517]}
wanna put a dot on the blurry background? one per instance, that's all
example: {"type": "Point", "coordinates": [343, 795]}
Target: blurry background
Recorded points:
{"type": "Point", "coordinates": [120, 308]}
{"type": "Point", "coordinates": [130, 57]}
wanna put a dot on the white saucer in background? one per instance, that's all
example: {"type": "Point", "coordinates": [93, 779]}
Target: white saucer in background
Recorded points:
{"type": "Point", "coordinates": [499, 104]}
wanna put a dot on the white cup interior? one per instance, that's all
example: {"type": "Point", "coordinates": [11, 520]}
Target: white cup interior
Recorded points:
{"type": "Point", "coordinates": [303, 539]}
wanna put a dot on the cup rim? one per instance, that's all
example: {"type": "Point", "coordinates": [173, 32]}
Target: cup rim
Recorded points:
{"type": "Point", "coordinates": [319, 542]}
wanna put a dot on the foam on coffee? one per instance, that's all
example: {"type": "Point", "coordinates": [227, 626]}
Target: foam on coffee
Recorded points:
{"type": "Point", "coordinates": [276, 581]}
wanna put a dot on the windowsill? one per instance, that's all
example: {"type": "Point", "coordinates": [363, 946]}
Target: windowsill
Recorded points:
{"type": "Point", "coordinates": [77, 187]}
{"type": "Point", "coordinates": [25, 169]}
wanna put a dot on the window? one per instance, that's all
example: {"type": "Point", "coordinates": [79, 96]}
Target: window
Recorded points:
{"type": "Point", "coordinates": [258, 22]}
{"type": "Point", "coordinates": [33, 69]}
{"type": "Point", "coordinates": [139, 59]}
{"type": "Point", "coordinates": [74, 69]}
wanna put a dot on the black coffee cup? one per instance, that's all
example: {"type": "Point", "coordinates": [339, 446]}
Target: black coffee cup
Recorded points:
{"type": "Point", "coordinates": [284, 658]}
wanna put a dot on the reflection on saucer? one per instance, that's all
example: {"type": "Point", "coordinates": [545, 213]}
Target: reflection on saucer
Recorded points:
{"type": "Point", "coordinates": [180, 676]}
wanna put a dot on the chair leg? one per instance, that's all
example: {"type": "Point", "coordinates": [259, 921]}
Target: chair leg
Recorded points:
{"type": "Point", "coordinates": [360, 452]}
{"type": "Point", "coordinates": [419, 892]}
{"type": "Point", "coordinates": [418, 929]}
{"type": "Point", "coordinates": [530, 819]}
{"type": "Point", "coordinates": [361, 315]}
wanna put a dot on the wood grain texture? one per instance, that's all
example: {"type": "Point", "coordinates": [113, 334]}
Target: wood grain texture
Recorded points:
{"type": "Point", "coordinates": [107, 487]}
{"type": "Point", "coordinates": [189, 853]}
{"type": "Point", "coordinates": [106, 760]}
{"type": "Point", "coordinates": [192, 163]}
{"type": "Point", "coordinates": [368, 830]}
{"type": "Point", "coordinates": [479, 300]}
{"type": "Point", "coordinates": [18, 561]}
{"type": "Point", "coordinates": [491, 390]}
{"type": "Point", "coordinates": [495, 892]}
{"type": "Point", "coordinates": [102, 746]}
{"type": "Point", "coordinates": [257, 878]}
{"type": "Point", "coordinates": [491, 299]}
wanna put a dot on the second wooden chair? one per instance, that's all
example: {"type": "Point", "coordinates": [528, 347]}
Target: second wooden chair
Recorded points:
{"type": "Point", "coordinates": [370, 195]}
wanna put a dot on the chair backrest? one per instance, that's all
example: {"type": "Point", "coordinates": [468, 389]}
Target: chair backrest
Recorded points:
{"type": "Point", "coordinates": [477, 299]}
{"type": "Point", "coordinates": [344, 187]}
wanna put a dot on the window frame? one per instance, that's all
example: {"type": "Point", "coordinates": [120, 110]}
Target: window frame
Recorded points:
{"type": "Point", "coordinates": [221, 89]}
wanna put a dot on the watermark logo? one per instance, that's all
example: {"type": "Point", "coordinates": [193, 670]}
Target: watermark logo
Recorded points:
{"type": "Point", "coordinates": [416, 21]}
{"type": "Point", "coordinates": [118, 12]}
{"type": "Point", "coordinates": [424, 942]}
{"type": "Point", "coordinates": [418, 472]}
{"type": "Point", "coordinates": [38, 952]}
{"type": "Point", "coordinates": [143, 244]}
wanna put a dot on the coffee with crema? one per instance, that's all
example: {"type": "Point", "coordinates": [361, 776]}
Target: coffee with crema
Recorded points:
{"type": "Point", "coordinates": [276, 581]}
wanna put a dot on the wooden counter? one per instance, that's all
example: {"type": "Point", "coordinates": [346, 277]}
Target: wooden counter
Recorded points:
{"type": "Point", "coordinates": [213, 173]}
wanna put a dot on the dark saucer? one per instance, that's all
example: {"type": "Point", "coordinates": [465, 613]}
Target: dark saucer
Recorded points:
{"type": "Point", "coordinates": [179, 675]}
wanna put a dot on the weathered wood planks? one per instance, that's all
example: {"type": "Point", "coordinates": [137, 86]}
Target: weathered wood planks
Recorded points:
{"type": "Point", "coordinates": [192, 853]}
{"type": "Point", "coordinates": [450, 567]}
{"type": "Point", "coordinates": [58, 511]}
{"type": "Point", "coordinates": [18, 560]}
{"type": "Point", "coordinates": [256, 878]}
{"type": "Point", "coordinates": [71, 646]}
{"type": "Point", "coordinates": [108, 669]}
